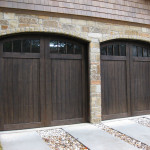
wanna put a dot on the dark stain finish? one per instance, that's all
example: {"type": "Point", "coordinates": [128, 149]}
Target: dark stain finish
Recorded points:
{"type": "Point", "coordinates": [125, 79]}
{"type": "Point", "coordinates": [42, 89]}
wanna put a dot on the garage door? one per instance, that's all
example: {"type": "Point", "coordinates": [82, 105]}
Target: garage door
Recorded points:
{"type": "Point", "coordinates": [42, 82]}
{"type": "Point", "coordinates": [125, 67]}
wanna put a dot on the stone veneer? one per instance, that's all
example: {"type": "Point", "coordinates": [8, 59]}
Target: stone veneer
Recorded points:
{"type": "Point", "coordinates": [94, 31]}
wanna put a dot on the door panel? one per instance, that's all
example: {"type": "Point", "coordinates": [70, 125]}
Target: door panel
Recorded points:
{"type": "Point", "coordinates": [65, 85]}
{"type": "Point", "coordinates": [21, 86]}
{"type": "Point", "coordinates": [140, 83]}
{"type": "Point", "coordinates": [66, 91]}
{"type": "Point", "coordinates": [125, 79]}
{"type": "Point", "coordinates": [40, 86]}
{"type": "Point", "coordinates": [21, 91]}
{"type": "Point", "coordinates": [116, 94]}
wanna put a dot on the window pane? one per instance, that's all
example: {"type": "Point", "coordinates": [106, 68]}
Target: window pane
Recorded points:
{"type": "Point", "coordinates": [7, 46]}
{"type": "Point", "coordinates": [134, 50]}
{"type": "Point", "coordinates": [122, 50]}
{"type": "Point", "coordinates": [110, 50]}
{"type": "Point", "coordinates": [139, 51]}
{"type": "Point", "coordinates": [149, 53]}
{"type": "Point", "coordinates": [78, 49]}
{"type": "Point", "coordinates": [116, 50]}
{"type": "Point", "coordinates": [17, 46]}
{"type": "Point", "coordinates": [62, 47]}
{"type": "Point", "coordinates": [104, 50]}
{"type": "Point", "coordinates": [144, 52]}
{"type": "Point", "coordinates": [35, 46]}
{"type": "Point", "coordinates": [70, 48]}
{"type": "Point", "coordinates": [53, 46]}
{"type": "Point", "coordinates": [26, 46]}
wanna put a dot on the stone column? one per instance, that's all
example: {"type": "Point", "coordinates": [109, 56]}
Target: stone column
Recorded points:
{"type": "Point", "coordinates": [95, 81]}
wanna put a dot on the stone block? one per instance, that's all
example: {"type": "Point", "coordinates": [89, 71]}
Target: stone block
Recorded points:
{"type": "Point", "coordinates": [44, 17]}
{"type": "Point", "coordinates": [98, 57]}
{"type": "Point", "coordinates": [93, 88]}
{"type": "Point", "coordinates": [94, 45]}
{"type": "Point", "coordinates": [1, 16]}
{"type": "Point", "coordinates": [67, 27]}
{"type": "Point", "coordinates": [95, 82]}
{"type": "Point", "coordinates": [3, 22]}
{"type": "Point", "coordinates": [95, 50]}
{"type": "Point", "coordinates": [95, 35]}
{"type": "Point", "coordinates": [94, 76]}
{"type": "Point", "coordinates": [18, 30]}
{"type": "Point", "coordinates": [79, 22]}
{"type": "Point", "coordinates": [98, 69]}
{"type": "Point", "coordinates": [116, 28]}
{"type": "Point", "coordinates": [98, 115]}
{"type": "Point", "coordinates": [65, 20]}
{"type": "Point", "coordinates": [53, 24]}
{"type": "Point", "coordinates": [94, 40]}
{"type": "Point", "coordinates": [92, 57]}
{"type": "Point", "coordinates": [94, 109]}
{"type": "Point", "coordinates": [95, 120]}
{"type": "Point", "coordinates": [93, 99]}
{"type": "Point", "coordinates": [131, 32]}
{"type": "Point", "coordinates": [13, 23]}
{"type": "Point", "coordinates": [26, 20]}
{"type": "Point", "coordinates": [3, 27]}
{"type": "Point", "coordinates": [3, 32]}
{"type": "Point", "coordinates": [85, 29]}
{"type": "Point", "coordinates": [98, 88]}
{"type": "Point", "coordinates": [90, 23]}
{"type": "Point", "coordinates": [40, 21]}
{"type": "Point", "coordinates": [98, 102]}
{"type": "Point", "coordinates": [54, 18]}
{"type": "Point", "coordinates": [22, 25]}
{"type": "Point", "coordinates": [135, 28]}
{"type": "Point", "coordinates": [9, 16]}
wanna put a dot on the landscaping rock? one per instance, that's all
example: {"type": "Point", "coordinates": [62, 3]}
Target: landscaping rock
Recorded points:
{"type": "Point", "coordinates": [58, 139]}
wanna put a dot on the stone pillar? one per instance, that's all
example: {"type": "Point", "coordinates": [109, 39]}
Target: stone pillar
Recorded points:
{"type": "Point", "coordinates": [95, 82]}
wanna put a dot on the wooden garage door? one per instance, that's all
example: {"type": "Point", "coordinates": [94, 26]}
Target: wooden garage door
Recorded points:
{"type": "Point", "coordinates": [42, 82]}
{"type": "Point", "coordinates": [66, 82]}
{"type": "Point", "coordinates": [125, 79]}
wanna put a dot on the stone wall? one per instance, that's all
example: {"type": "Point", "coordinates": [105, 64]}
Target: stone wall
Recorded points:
{"type": "Point", "coordinates": [124, 10]}
{"type": "Point", "coordinates": [92, 30]}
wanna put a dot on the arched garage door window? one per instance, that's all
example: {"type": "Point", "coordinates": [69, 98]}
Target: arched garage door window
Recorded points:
{"type": "Point", "coordinates": [64, 47]}
{"type": "Point", "coordinates": [22, 46]}
{"type": "Point", "coordinates": [125, 67]}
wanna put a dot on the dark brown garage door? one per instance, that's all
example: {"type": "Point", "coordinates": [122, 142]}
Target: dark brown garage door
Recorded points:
{"type": "Point", "coordinates": [42, 82]}
{"type": "Point", "coordinates": [125, 67]}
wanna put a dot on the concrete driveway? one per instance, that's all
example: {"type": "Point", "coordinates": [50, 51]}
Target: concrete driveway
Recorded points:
{"type": "Point", "coordinates": [119, 134]}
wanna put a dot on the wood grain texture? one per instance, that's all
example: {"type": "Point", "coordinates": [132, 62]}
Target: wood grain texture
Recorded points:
{"type": "Point", "coordinates": [65, 88]}
{"type": "Point", "coordinates": [125, 83]}
{"type": "Point", "coordinates": [130, 10]}
{"type": "Point", "coordinates": [21, 78]}
{"type": "Point", "coordinates": [41, 90]}
{"type": "Point", "coordinates": [140, 85]}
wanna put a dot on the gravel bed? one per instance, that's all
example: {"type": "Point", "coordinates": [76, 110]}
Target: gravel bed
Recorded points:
{"type": "Point", "coordinates": [58, 139]}
{"type": "Point", "coordinates": [143, 121]}
{"type": "Point", "coordinates": [124, 137]}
